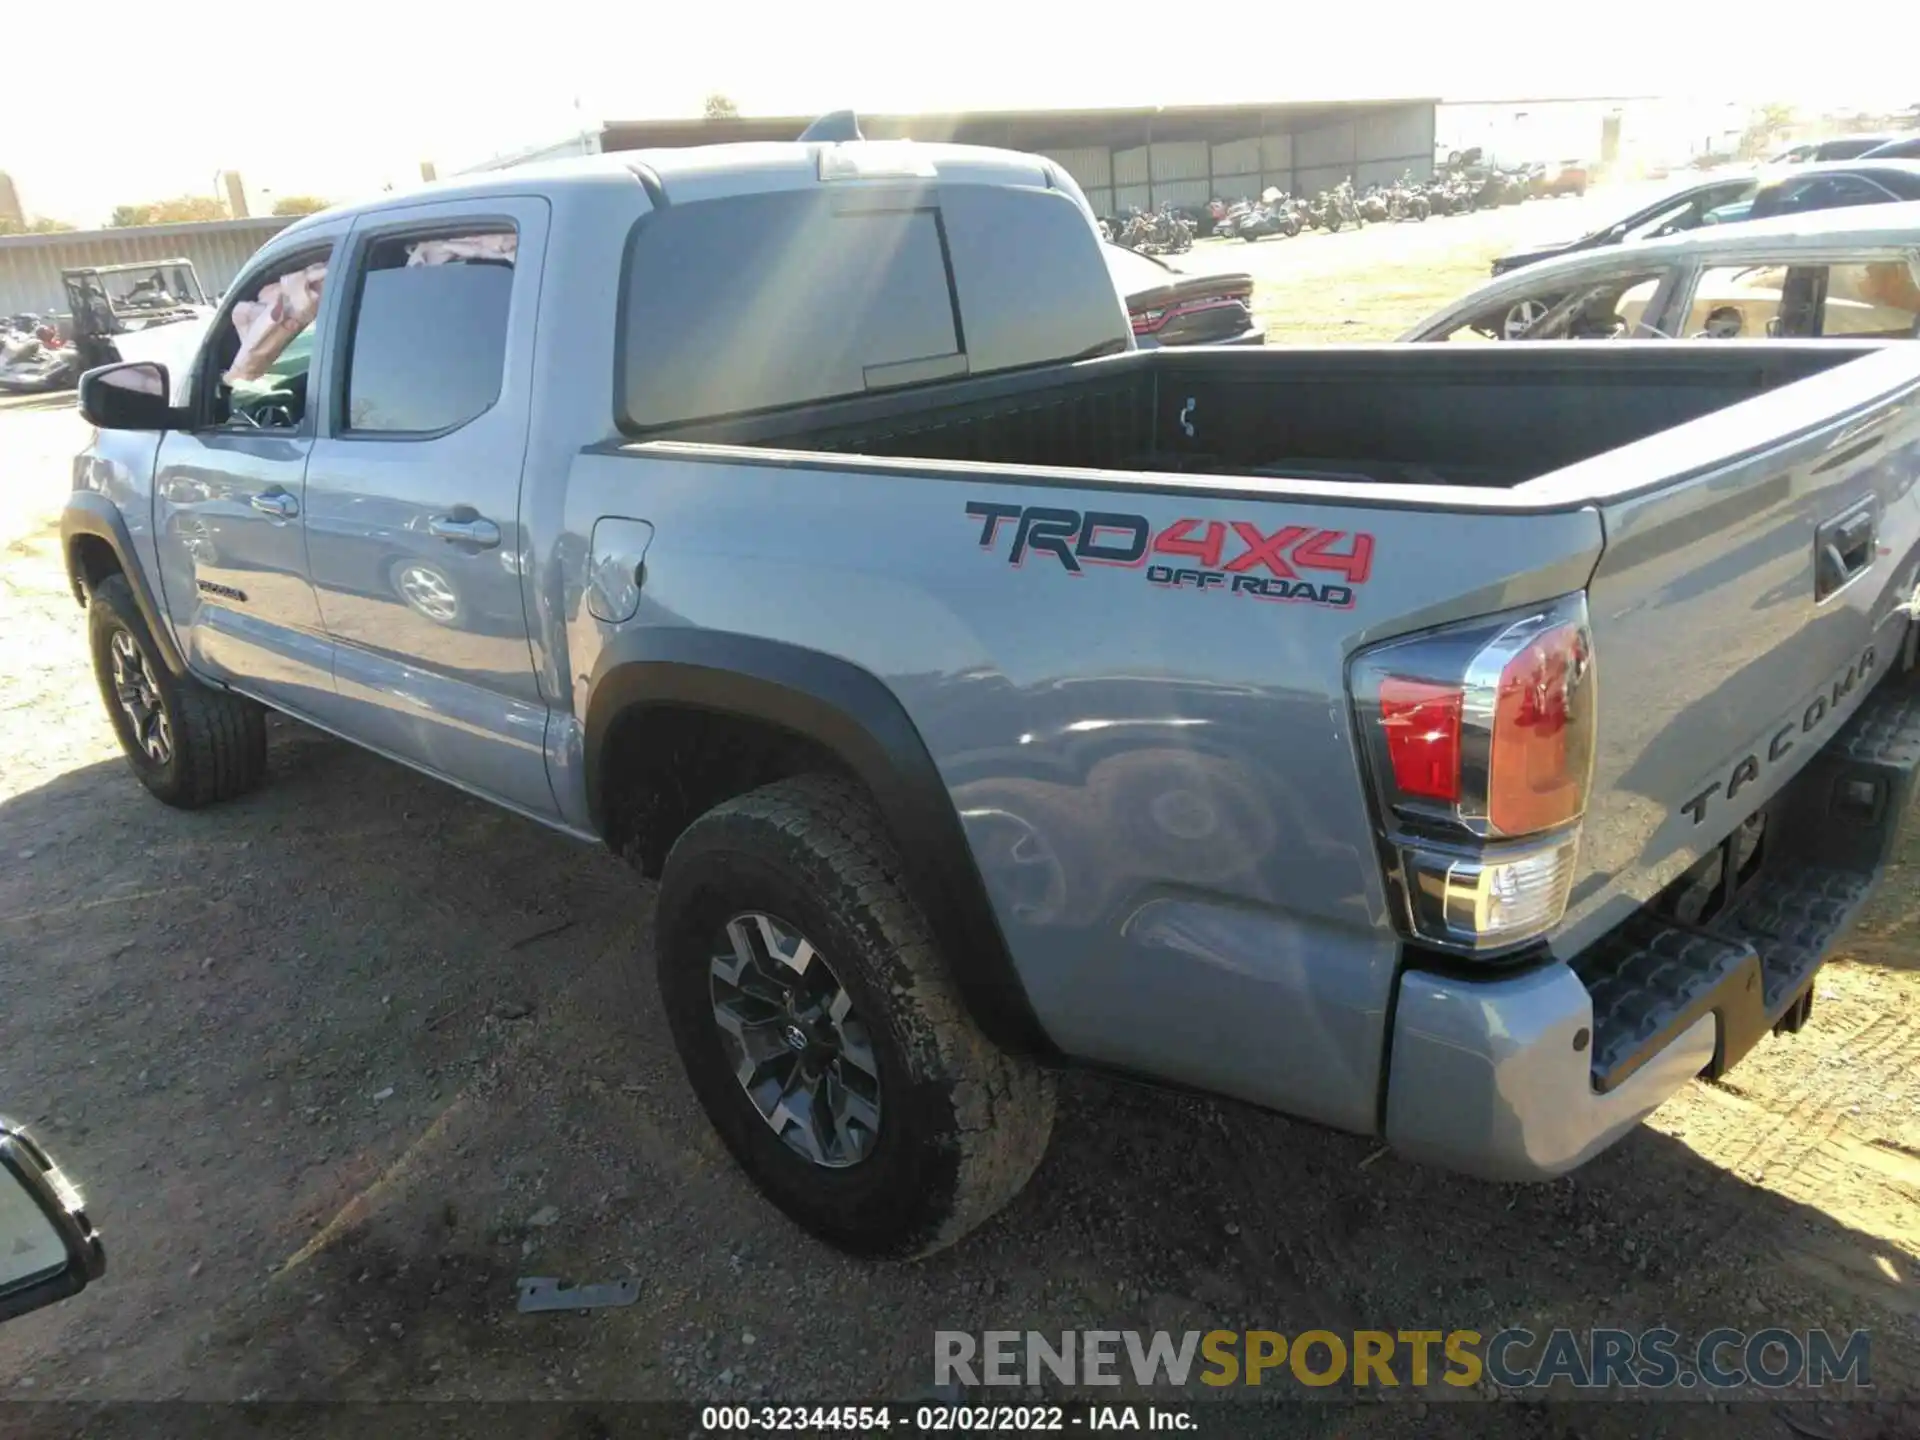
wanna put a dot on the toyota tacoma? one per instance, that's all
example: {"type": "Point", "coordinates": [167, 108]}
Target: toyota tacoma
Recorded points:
{"type": "Point", "coordinates": [1466, 747]}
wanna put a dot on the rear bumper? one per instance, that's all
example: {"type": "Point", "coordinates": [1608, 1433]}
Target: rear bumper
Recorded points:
{"type": "Point", "coordinates": [1526, 1077]}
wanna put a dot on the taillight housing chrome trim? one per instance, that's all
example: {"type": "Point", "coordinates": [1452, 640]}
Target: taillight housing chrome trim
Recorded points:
{"type": "Point", "coordinates": [1487, 864]}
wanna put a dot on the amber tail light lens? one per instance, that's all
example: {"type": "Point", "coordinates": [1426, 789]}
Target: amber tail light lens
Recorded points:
{"type": "Point", "coordinates": [1541, 749]}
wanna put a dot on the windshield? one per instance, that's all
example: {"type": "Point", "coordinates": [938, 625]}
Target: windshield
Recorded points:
{"type": "Point", "coordinates": [1686, 211]}
{"type": "Point", "coordinates": [159, 287]}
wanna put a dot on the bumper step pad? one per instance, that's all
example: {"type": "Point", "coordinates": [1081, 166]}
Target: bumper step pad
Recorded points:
{"type": "Point", "coordinates": [1651, 982]}
{"type": "Point", "coordinates": [1831, 835]}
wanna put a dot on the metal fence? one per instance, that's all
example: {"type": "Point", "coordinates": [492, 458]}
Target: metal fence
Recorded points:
{"type": "Point", "coordinates": [30, 265]}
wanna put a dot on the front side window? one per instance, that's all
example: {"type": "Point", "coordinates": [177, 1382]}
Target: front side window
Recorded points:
{"type": "Point", "coordinates": [262, 351]}
{"type": "Point", "coordinates": [429, 342]}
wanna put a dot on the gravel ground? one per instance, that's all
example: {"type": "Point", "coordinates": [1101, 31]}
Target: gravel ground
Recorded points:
{"type": "Point", "coordinates": [340, 1062]}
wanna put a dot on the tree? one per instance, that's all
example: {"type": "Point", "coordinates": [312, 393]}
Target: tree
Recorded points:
{"type": "Point", "coordinates": [39, 225]}
{"type": "Point", "coordinates": [721, 107]}
{"type": "Point", "coordinates": [1762, 130]}
{"type": "Point", "coordinates": [299, 204]}
{"type": "Point", "coordinates": [181, 210]}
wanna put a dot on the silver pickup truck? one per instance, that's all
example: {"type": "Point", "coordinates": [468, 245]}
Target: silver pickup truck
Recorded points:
{"type": "Point", "coordinates": [1464, 746]}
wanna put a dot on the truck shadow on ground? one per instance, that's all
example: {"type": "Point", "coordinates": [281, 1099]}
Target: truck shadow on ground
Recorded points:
{"type": "Point", "coordinates": [340, 1062]}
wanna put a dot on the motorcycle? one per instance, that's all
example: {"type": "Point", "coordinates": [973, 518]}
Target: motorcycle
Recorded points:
{"type": "Point", "coordinates": [33, 358]}
{"type": "Point", "coordinates": [1348, 208]}
{"type": "Point", "coordinates": [1165, 232]}
{"type": "Point", "coordinates": [1407, 200]}
{"type": "Point", "coordinates": [1273, 215]}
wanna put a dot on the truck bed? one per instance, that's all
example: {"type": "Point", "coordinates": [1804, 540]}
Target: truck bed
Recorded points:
{"type": "Point", "coordinates": [1402, 415]}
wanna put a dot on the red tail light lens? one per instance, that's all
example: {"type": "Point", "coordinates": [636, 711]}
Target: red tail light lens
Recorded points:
{"type": "Point", "coordinates": [1422, 725]}
{"type": "Point", "coordinates": [1540, 754]}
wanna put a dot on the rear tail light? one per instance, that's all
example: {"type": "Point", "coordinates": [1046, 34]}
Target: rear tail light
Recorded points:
{"type": "Point", "coordinates": [1479, 746]}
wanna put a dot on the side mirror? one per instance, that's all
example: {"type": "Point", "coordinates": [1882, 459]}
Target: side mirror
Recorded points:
{"type": "Point", "coordinates": [130, 396]}
{"type": "Point", "coordinates": [48, 1248]}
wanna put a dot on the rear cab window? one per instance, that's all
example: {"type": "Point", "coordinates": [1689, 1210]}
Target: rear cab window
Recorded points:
{"type": "Point", "coordinates": [759, 302]}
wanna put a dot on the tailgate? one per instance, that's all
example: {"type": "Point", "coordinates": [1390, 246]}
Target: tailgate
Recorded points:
{"type": "Point", "coordinates": [1741, 610]}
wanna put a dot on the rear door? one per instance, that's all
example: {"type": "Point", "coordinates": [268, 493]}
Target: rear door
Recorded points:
{"type": "Point", "coordinates": [1741, 611]}
{"type": "Point", "coordinates": [229, 493]}
{"type": "Point", "coordinates": [413, 493]}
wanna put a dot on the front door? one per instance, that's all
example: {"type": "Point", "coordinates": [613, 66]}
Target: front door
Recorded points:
{"type": "Point", "coordinates": [413, 494]}
{"type": "Point", "coordinates": [229, 492]}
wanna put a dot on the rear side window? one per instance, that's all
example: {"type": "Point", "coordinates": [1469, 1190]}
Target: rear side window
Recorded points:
{"type": "Point", "coordinates": [429, 331]}
{"type": "Point", "coordinates": [756, 302]}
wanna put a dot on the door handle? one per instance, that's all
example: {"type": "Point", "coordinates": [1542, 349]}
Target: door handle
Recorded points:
{"type": "Point", "coordinates": [277, 503]}
{"type": "Point", "coordinates": [478, 530]}
{"type": "Point", "coordinates": [1843, 547]}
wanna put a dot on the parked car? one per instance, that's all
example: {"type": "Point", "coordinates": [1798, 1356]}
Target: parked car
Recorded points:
{"type": "Point", "coordinates": [1562, 177]}
{"type": "Point", "coordinates": [1167, 306]}
{"type": "Point", "coordinates": [1463, 748]}
{"type": "Point", "coordinates": [1905, 148]}
{"type": "Point", "coordinates": [1826, 187]}
{"type": "Point", "coordinates": [1849, 274]}
{"type": "Point", "coordinates": [49, 1249]}
{"type": "Point", "coordinates": [1841, 147]}
{"type": "Point", "coordinates": [1682, 210]}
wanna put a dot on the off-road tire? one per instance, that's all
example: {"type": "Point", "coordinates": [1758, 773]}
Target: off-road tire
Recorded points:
{"type": "Point", "coordinates": [963, 1124]}
{"type": "Point", "coordinates": [219, 739]}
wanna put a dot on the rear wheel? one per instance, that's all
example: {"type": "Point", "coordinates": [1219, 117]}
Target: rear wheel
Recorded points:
{"type": "Point", "coordinates": [190, 744]}
{"type": "Point", "coordinates": [822, 1033]}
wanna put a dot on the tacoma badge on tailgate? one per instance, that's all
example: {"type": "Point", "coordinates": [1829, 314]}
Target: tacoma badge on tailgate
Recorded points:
{"type": "Point", "coordinates": [1077, 539]}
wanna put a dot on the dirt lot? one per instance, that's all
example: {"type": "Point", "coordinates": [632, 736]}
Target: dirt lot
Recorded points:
{"type": "Point", "coordinates": [338, 1063]}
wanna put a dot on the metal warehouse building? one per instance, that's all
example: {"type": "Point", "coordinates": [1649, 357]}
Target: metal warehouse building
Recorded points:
{"type": "Point", "coordinates": [1122, 158]}
{"type": "Point", "coordinates": [30, 265]}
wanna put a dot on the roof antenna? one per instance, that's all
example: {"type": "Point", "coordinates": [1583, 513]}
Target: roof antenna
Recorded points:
{"type": "Point", "coordinates": [832, 129]}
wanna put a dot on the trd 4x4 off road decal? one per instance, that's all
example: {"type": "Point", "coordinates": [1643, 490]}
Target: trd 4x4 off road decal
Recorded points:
{"type": "Point", "coordinates": [1236, 557]}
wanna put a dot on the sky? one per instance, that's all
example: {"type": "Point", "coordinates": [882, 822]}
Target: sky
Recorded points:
{"type": "Point", "coordinates": [354, 94]}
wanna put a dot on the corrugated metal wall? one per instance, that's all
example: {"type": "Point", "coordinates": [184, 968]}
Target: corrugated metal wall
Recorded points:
{"type": "Point", "coordinates": [1131, 167]}
{"type": "Point", "coordinates": [1371, 147]}
{"type": "Point", "coordinates": [1331, 145]}
{"type": "Point", "coordinates": [1392, 142]}
{"type": "Point", "coordinates": [1091, 167]}
{"type": "Point", "coordinates": [30, 265]}
{"type": "Point", "coordinates": [1178, 160]}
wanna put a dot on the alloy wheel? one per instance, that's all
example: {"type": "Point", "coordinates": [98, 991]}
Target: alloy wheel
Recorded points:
{"type": "Point", "coordinates": [139, 696]}
{"type": "Point", "coordinates": [788, 1028]}
{"type": "Point", "coordinates": [1522, 318]}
